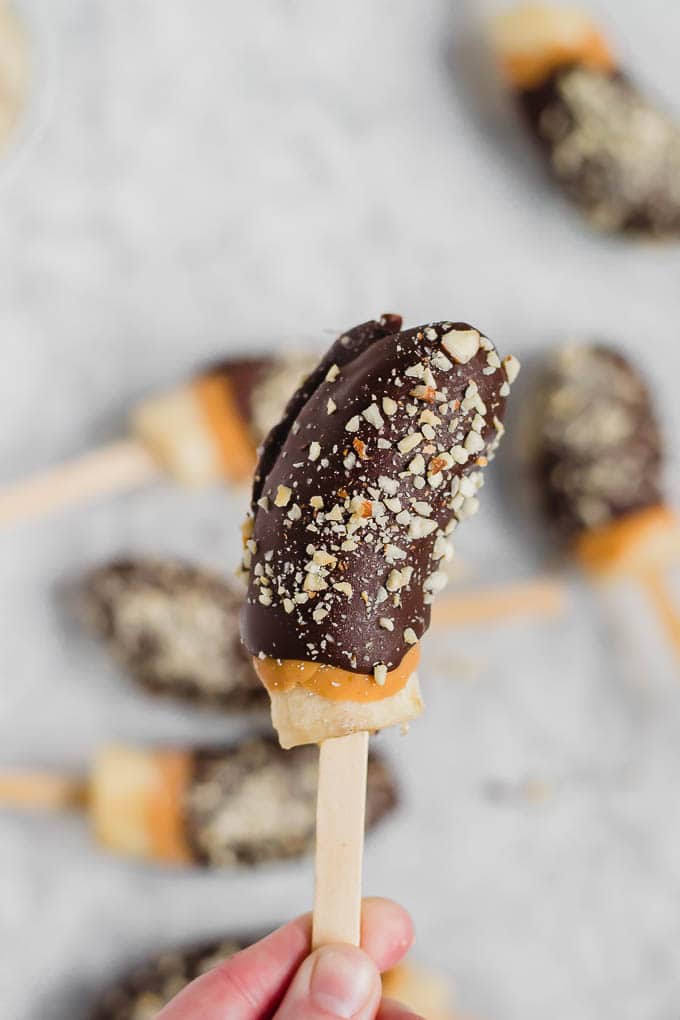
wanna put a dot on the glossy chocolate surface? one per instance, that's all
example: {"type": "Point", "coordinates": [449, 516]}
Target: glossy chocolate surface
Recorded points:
{"type": "Point", "coordinates": [378, 457]}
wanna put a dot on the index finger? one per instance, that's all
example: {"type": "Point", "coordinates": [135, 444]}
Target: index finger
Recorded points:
{"type": "Point", "coordinates": [252, 983]}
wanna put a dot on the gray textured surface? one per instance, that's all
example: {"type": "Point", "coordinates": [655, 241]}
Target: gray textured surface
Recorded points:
{"type": "Point", "coordinates": [206, 176]}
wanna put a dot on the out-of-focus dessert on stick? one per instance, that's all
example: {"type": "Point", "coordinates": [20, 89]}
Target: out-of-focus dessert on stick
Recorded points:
{"type": "Point", "coordinates": [358, 490]}
{"type": "Point", "coordinates": [597, 456]}
{"type": "Point", "coordinates": [222, 807]}
{"type": "Point", "coordinates": [201, 433]}
{"type": "Point", "coordinates": [614, 154]}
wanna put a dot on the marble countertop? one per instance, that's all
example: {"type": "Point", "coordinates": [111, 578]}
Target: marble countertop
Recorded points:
{"type": "Point", "coordinates": [195, 179]}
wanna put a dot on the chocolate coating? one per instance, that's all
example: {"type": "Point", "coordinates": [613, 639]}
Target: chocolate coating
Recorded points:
{"type": "Point", "coordinates": [614, 155]}
{"type": "Point", "coordinates": [255, 803]}
{"type": "Point", "coordinates": [395, 458]}
{"type": "Point", "coordinates": [597, 446]}
{"type": "Point", "coordinates": [147, 988]}
{"type": "Point", "coordinates": [174, 628]}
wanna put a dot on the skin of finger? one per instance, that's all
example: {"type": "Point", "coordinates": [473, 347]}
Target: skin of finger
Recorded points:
{"type": "Point", "coordinates": [253, 982]}
{"type": "Point", "coordinates": [300, 1004]}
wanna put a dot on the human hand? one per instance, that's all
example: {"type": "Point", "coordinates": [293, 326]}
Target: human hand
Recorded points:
{"type": "Point", "coordinates": [277, 979]}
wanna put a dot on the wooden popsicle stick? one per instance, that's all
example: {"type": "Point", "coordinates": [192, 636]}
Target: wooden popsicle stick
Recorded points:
{"type": "Point", "coordinates": [42, 791]}
{"type": "Point", "coordinates": [340, 819]}
{"type": "Point", "coordinates": [656, 587]}
{"type": "Point", "coordinates": [121, 465]}
{"type": "Point", "coordinates": [542, 597]}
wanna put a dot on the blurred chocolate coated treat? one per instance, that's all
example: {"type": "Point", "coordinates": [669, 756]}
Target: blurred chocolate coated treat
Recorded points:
{"type": "Point", "coordinates": [595, 440]}
{"type": "Point", "coordinates": [174, 628]}
{"type": "Point", "coordinates": [613, 153]}
{"type": "Point", "coordinates": [142, 993]}
{"type": "Point", "coordinates": [255, 803]}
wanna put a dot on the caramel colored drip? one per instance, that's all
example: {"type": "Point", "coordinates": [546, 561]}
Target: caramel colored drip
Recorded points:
{"type": "Point", "coordinates": [528, 70]}
{"type": "Point", "coordinates": [631, 544]}
{"type": "Point", "coordinates": [164, 808]}
{"type": "Point", "coordinates": [332, 683]}
{"type": "Point", "coordinates": [218, 406]}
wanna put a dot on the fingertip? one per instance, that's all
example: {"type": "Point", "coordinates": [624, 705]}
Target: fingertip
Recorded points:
{"type": "Point", "coordinates": [386, 932]}
{"type": "Point", "coordinates": [334, 983]}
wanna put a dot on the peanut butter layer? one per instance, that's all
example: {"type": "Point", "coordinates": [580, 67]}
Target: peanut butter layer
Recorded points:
{"type": "Point", "coordinates": [631, 544]}
{"type": "Point", "coordinates": [164, 808]}
{"type": "Point", "coordinates": [219, 408]}
{"type": "Point", "coordinates": [534, 41]}
{"type": "Point", "coordinates": [527, 70]}
{"type": "Point", "coordinates": [335, 684]}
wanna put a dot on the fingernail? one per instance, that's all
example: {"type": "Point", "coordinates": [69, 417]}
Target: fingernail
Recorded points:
{"type": "Point", "coordinates": [342, 981]}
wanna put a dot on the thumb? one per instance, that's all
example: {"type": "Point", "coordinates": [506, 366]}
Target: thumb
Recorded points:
{"type": "Point", "coordinates": [334, 983]}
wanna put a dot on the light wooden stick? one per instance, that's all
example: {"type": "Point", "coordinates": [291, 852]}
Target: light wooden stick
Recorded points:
{"type": "Point", "coordinates": [340, 818]}
{"type": "Point", "coordinates": [42, 791]}
{"type": "Point", "coordinates": [544, 597]}
{"type": "Point", "coordinates": [654, 583]}
{"type": "Point", "coordinates": [121, 465]}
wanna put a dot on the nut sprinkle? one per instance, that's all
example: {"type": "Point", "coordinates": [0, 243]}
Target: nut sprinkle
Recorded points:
{"type": "Point", "coordinates": [596, 446]}
{"type": "Point", "coordinates": [369, 518]}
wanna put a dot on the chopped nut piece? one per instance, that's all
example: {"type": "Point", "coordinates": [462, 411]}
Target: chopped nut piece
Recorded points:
{"type": "Point", "coordinates": [373, 416]}
{"type": "Point", "coordinates": [324, 559]}
{"type": "Point", "coordinates": [344, 587]}
{"type": "Point", "coordinates": [332, 373]}
{"type": "Point", "coordinates": [420, 527]}
{"type": "Point", "coordinates": [283, 494]}
{"type": "Point", "coordinates": [512, 365]}
{"type": "Point", "coordinates": [461, 344]}
{"type": "Point", "coordinates": [410, 636]}
{"type": "Point", "coordinates": [314, 451]}
{"type": "Point", "coordinates": [331, 406]}
{"type": "Point", "coordinates": [417, 465]}
{"type": "Point", "coordinates": [426, 393]}
{"type": "Point", "coordinates": [380, 674]}
{"type": "Point", "coordinates": [395, 580]}
{"type": "Point", "coordinates": [474, 442]}
{"type": "Point", "coordinates": [353, 424]}
{"type": "Point", "coordinates": [410, 442]}
{"type": "Point", "coordinates": [389, 406]}
{"type": "Point", "coordinates": [389, 485]}
{"type": "Point", "coordinates": [386, 623]}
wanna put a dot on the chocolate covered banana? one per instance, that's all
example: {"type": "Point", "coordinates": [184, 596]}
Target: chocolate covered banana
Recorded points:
{"type": "Point", "coordinates": [205, 431]}
{"type": "Point", "coordinates": [356, 496]}
{"type": "Point", "coordinates": [211, 428]}
{"type": "Point", "coordinates": [614, 154]}
{"type": "Point", "coordinates": [142, 993]}
{"type": "Point", "coordinates": [175, 628]}
{"type": "Point", "coordinates": [597, 455]}
{"type": "Point", "coordinates": [238, 806]}
{"type": "Point", "coordinates": [146, 989]}
{"type": "Point", "coordinates": [598, 458]}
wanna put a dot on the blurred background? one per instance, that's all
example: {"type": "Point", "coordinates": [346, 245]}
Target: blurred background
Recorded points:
{"type": "Point", "coordinates": [187, 182]}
